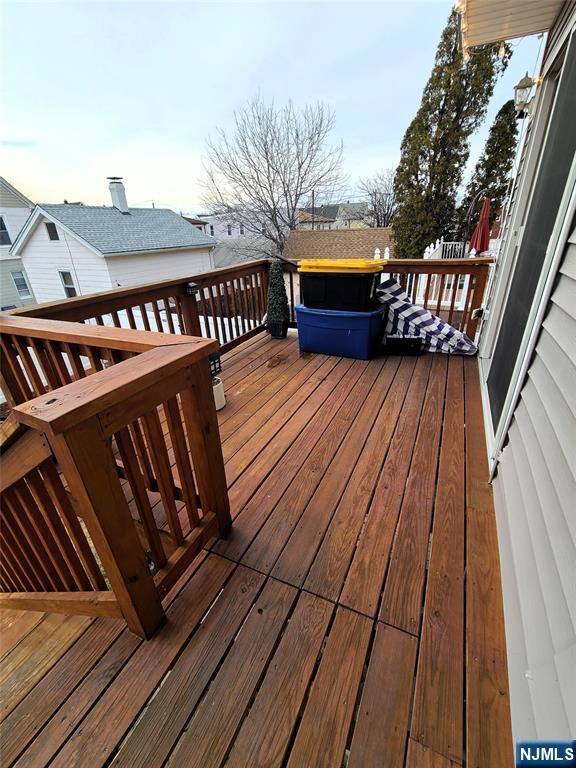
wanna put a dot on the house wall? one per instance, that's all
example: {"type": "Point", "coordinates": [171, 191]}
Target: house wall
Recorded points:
{"type": "Point", "coordinates": [533, 445]}
{"type": "Point", "coordinates": [44, 258]}
{"type": "Point", "coordinates": [14, 214]}
{"type": "Point", "coordinates": [152, 267]}
{"type": "Point", "coordinates": [535, 492]}
{"type": "Point", "coordinates": [8, 294]}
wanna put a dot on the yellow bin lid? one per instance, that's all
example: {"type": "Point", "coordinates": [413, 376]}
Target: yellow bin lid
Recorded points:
{"type": "Point", "coordinates": [341, 265]}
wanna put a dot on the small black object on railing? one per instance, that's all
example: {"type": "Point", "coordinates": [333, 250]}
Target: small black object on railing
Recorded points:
{"type": "Point", "coordinates": [215, 363]}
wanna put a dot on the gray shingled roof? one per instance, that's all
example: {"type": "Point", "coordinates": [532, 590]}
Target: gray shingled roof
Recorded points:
{"type": "Point", "coordinates": [143, 229]}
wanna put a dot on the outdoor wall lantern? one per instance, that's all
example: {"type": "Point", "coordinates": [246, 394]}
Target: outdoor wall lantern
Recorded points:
{"type": "Point", "coordinates": [522, 91]}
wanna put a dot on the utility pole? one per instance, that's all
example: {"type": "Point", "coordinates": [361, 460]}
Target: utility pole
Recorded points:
{"type": "Point", "coordinates": [312, 210]}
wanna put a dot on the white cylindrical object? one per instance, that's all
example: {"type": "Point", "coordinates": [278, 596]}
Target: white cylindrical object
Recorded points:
{"type": "Point", "coordinates": [219, 396]}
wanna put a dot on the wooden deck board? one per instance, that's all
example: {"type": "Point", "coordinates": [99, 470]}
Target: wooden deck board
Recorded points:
{"type": "Point", "coordinates": [326, 631]}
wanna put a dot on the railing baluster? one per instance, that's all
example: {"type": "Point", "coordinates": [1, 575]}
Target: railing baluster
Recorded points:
{"type": "Point", "coordinates": [44, 362]}
{"type": "Point", "coordinates": [162, 472]}
{"type": "Point", "coordinates": [440, 294]}
{"type": "Point", "coordinates": [55, 353]}
{"type": "Point", "coordinates": [144, 316]}
{"type": "Point", "coordinates": [74, 360]}
{"type": "Point", "coordinates": [63, 542]}
{"type": "Point", "coordinates": [169, 318]}
{"type": "Point", "coordinates": [142, 454]}
{"type": "Point", "coordinates": [134, 476]}
{"type": "Point", "coordinates": [222, 314]}
{"type": "Point", "coordinates": [30, 368]}
{"type": "Point", "coordinates": [70, 519]}
{"type": "Point", "coordinates": [455, 281]}
{"type": "Point", "coordinates": [23, 568]}
{"type": "Point", "coordinates": [178, 440]}
{"type": "Point", "coordinates": [131, 318]}
{"type": "Point", "coordinates": [232, 299]}
{"type": "Point", "coordinates": [22, 529]}
{"type": "Point", "coordinates": [157, 317]}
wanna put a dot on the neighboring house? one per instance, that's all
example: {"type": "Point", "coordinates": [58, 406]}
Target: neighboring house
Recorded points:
{"type": "Point", "coordinates": [528, 374]}
{"type": "Point", "coordinates": [200, 224]}
{"type": "Point", "coordinates": [338, 244]}
{"type": "Point", "coordinates": [231, 252]}
{"type": "Point", "coordinates": [15, 290]}
{"type": "Point", "coordinates": [76, 249]}
{"type": "Point", "coordinates": [218, 226]}
{"type": "Point", "coordinates": [308, 221]}
{"type": "Point", "coordinates": [340, 215]}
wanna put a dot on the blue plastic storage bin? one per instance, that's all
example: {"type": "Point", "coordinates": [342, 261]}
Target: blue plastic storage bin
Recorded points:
{"type": "Point", "coordinates": [346, 334]}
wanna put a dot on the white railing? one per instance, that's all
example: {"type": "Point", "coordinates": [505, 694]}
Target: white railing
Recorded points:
{"type": "Point", "coordinates": [443, 249]}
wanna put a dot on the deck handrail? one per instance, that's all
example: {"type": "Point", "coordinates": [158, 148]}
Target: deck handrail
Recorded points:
{"type": "Point", "coordinates": [119, 426]}
{"type": "Point", "coordinates": [451, 288]}
{"type": "Point", "coordinates": [227, 304]}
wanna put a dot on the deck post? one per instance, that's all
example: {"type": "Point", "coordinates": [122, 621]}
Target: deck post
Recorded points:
{"type": "Point", "coordinates": [85, 456]}
{"type": "Point", "coordinates": [189, 304]}
{"type": "Point", "coordinates": [204, 440]}
{"type": "Point", "coordinates": [478, 289]}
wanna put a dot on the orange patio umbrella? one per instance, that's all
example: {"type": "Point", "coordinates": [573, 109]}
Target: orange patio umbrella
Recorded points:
{"type": "Point", "coordinates": [480, 240]}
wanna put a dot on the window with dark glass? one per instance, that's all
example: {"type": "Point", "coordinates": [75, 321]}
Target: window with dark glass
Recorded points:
{"type": "Point", "coordinates": [4, 236]}
{"type": "Point", "coordinates": [21, 285]}
{"type": "Point", "coordinates": [229, 230]}
{"type": "Point", "coordinates": [52, 231]}
{"type": "Point", "coordinates": [68, 284]}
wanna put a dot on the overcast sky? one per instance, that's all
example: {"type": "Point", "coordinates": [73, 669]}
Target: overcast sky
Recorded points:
{"type": "Point", "coordinates": [133, 89]}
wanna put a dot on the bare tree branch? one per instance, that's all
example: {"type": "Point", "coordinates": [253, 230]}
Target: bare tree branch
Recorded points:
{"type": "Point", "coordinates": [264, 171]}
{"type": "Point", "coordinates": [379, 193]}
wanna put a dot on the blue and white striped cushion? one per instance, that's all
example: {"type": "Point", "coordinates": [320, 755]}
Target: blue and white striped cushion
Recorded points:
{"type": "Point", "coordinates": [406, 319]}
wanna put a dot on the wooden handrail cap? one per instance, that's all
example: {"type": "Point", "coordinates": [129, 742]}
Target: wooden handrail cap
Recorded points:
{"type": "Point", "coordinates": [72, 404]}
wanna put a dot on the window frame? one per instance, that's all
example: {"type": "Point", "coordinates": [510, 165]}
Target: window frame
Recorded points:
{"type": "Point", "coordinates": [68, 286]}
{"type": "Point", "coordinates": [51, 228]}
{"type": "Point", "coordinates": [4, 232]}
{"type": "Point", "coordinates": [20, 272]}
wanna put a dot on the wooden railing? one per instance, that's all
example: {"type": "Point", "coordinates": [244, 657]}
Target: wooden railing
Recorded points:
{"type": "Point", "coordinates": [451, 288]}
{"type": "Point", "coordinates": [118, 480]}
{"type": "Point", "coordinates": [226, 304]}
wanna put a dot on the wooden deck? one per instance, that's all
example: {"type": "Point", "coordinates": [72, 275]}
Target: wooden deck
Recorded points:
{"type": "Point", "coordinates": [353, 617]}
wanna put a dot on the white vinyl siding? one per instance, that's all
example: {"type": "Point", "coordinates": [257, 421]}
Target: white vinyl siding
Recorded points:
{"type": "Point", "coordinates": [8, 293]}
{"type": "Point", "coordinates": [154, 267]}
{"type": "Point", "coordinates": [43, 259]}
{"type": "Point", "coordinates": [535, 496]}
{"type": "Point", "coordinates": [21, 284]}
{"type": "Point", "coordinates": [14, 219]}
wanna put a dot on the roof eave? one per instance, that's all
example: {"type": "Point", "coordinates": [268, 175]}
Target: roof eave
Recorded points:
{"type": "Point", "coordinates": [143, 252]}
{"type": "Point", "coordinates": [486, 22]}
{"type": "Point", "coordinates": [31, 224]}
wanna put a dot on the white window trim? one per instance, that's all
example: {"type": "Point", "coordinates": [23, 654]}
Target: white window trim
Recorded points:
{"type": "Point", "coordinates": [554, 255]}
{"type": "Point", "coordinates": [64, 286]}
{"type": "Point", "coordinates": [509, 249]}
{"type": "Point", "coordinates": [21, 272]}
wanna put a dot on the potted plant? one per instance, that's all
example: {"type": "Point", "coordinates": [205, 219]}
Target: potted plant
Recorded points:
{"type": "Point", "coordinates": [277, 314]}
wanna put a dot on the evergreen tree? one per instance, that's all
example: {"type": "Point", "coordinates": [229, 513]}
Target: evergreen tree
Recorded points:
{"type": "Point", "coordinates": [278, 311]}
{"type": "Point", "coordinates": [490, 177]}
{"type": "Point", "coordinates": [435, 147]}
